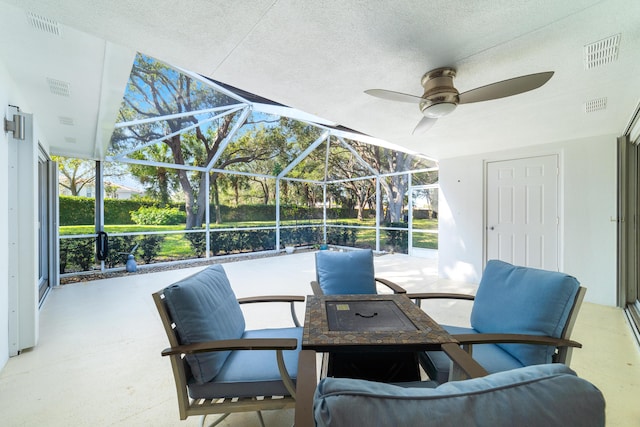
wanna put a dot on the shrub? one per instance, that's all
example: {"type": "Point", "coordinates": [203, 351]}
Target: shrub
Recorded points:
{"type": "Point", "coordinates": [197, 242]}
{"type": "Point", "coordinates": [158, 216]}
{"type": "Point", "coordinates": [119, 246]}
{"type": "Point", "coordinates": [398, 240]}
{"type": "Point", "coordinates": [342, 236]}
{"type": "Point", "coordinates": [300, 236]}
{"type": "Point", "coordinates": [149, 247]}
{"type": "Point", "coordinates": [77, 254]}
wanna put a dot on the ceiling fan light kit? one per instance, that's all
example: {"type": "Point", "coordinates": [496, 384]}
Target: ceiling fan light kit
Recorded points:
{"type": "Point", "coordinates": [440, 97]}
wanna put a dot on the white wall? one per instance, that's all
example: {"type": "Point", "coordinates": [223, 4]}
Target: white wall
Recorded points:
{"type": "Point", "coordinates": [22, 274]}
{"type": "Point", "coordinates": [588, 188]}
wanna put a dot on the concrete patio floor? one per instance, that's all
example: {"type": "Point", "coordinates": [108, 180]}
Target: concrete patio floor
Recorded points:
{"type": "Point", "coordinates": [98, 359]}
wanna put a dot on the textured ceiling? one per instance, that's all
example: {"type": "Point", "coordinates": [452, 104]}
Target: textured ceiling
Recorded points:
{"type": "Point", "coordinates": [319, 57]}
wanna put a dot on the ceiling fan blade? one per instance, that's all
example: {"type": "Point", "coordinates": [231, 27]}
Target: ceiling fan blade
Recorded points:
{"type": "Point", "coordinates": [393, 96]}
{"type": "Point", "coordinates": [424, 125]}
{"type": "Point", "coordinates": [505, 88]}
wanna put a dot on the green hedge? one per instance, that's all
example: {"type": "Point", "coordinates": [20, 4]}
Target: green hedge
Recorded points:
{"type": "Point", "coordinates": [240, 241]}
{"type": "Point", "coordinates": [158, 216]}
{"type": "Point", "coordinates": [78, 254]}
{"type": "Point", "coordinates": [287, 213]}
{"type": "Point", "coordinates": [77, 210]}
{"type": "Point", "coordinates": [80, 211]}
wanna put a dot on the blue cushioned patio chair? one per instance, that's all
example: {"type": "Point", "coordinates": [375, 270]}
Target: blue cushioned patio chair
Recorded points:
{"type": "Point", "coordinates": [218, 366]}
{"type": "Point", "coordinates": [549, 395]}
{"type": "Point", "coordinates": [349, 272]}
{"type": "Point", "coordinates": [521, 316]}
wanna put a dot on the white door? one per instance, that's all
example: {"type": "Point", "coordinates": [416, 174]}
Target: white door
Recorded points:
{"type": "Point", "coordinates": [522, 218]}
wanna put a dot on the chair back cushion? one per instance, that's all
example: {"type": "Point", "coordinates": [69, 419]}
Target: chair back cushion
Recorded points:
{"type": "Point", "coordinates": [523, 300]}
{"type": "Point", "coordinates": [348, 272]}
{"type": "Point", "coordinates": [204, 308]}
{"type": "Point", "coordinates": [542, 395]}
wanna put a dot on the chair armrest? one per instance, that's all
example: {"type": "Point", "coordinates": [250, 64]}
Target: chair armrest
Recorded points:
{"type": "Point", "coordinates": [271, 298]}
{"type": "Point", "coordinates": [438, 295]}
{"type": "Point", "coordinates": [397, 289]}
{"type": "Point", "coordinates": [277, 298]}
{"type": "Point", "coordinates": [514, 339]}
{"type": "Point", "coordinates": [315, 287]}
{"type": "Point", "coordinates": [305, 389]}
{"type": "Point", "coordinates": [237, 344]}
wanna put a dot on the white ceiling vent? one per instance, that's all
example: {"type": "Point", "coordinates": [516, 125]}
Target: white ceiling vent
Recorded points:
{"type": "Point", "coordinates": [43, 24]}
{"type": "Point", "coordinates": [70, 140]}
{"type": "Point", "coordinates": [58, 87]}
{"type": "Point", "coordinates": [601, 52]}
{"type": "Point", "coordinates": [595, 105]}
{"type": "Point", "coordinates": [68, 121]}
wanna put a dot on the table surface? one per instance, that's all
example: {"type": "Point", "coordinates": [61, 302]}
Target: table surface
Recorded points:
{"type": "Point", "coordinates": [427, 334]}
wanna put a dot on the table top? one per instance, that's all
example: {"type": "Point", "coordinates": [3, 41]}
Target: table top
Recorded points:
{"type": "Point", "coordinates": [407, 325]}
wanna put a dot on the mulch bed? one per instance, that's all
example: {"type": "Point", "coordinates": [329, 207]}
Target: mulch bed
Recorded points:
{"type": "Point", "coordinates": [144, 269]}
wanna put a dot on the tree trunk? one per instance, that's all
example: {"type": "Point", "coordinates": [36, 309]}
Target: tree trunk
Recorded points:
{"type": "Point", "coordinates": [202, 202]}
{"type": "Point", "coordinates": [236, 189]}
{"type": "Point", "coordinates": [216, 198]}
{"type": "Point", "coordinates": [265, 190]}
{"type": "Point", "coordinates": [189, 198]}
{"type": "Point", "coordinates": [183, 178]}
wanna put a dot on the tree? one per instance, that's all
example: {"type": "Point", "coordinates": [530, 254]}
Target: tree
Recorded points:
{"type": "Point", "coordinates": [259, 142]}
{"type": "Point", "coordinates": [343, 164]}
{"type": "Point", "coordinates": [394, 186]}
{"type": "Point", "coordinates": [76, 173]}
{"type": "Point", "coordinates": [159, 181]}
{"type": "Point", "coordinates": [156, 90]}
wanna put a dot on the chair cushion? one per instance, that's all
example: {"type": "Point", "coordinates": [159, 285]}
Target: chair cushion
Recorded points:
{"type": "Point", "coordinates": [523, 300]}
{"type": "Point", "coordinates": [204, 308]}
{"type": "Point", "coordinates": [491, 356]}
{"type": "Point", "coordinates": [253, 373]}
{"type": "Point", "coordinates": [542, 395]}
{"type": "Point", "coordinates": [348, 272]}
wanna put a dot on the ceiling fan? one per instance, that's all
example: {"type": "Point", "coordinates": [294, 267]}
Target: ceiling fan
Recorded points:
{"type": "Point", "coordinates": [440, 97]}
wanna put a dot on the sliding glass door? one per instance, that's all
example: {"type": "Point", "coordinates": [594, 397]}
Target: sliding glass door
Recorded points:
{"type": "Point", "coordinates": [47, 241]}
{"type": "Point", "coordinates": [628, 230]}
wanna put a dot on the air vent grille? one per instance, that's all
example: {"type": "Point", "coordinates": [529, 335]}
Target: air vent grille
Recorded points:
{"type": "Point", "coordinates": [68, 121]}
{"type": "Point", "coordinates": [601, 52]}
{"type": "Point", "coordinates": [69, 139]}
{"type": "Point", "coordinates": [44, 24]}
{"type": "Point", "coordinates": [58, 87]}
{"type": "Point", "coordinates": [595, 105]}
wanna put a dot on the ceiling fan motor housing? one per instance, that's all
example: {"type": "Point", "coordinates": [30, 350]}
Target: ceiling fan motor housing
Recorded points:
{"type": "Point", "coordinates": [440, 97]}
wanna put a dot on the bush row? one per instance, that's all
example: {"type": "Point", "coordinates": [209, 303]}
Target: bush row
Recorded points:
{"type": "Point", "coordinates": [237, 241]}
{"type": "Point", "coordinates": [80, 211]}
{"type": "Point", "coordinates": [78, 254]}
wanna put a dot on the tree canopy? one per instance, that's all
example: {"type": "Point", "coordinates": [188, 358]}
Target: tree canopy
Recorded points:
{"type": "Point", "coordinates": [181, 134]}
